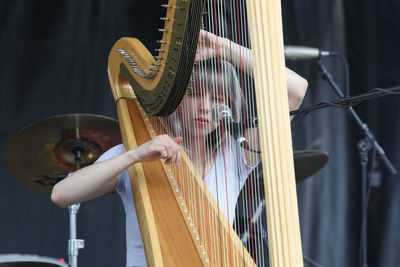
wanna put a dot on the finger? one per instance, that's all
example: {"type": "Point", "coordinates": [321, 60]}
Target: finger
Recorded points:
{"type": "Point", "coordinates": [178, 139]}
{"type": "Point", "coordinates": [175, 149]}
{"type": "Point", "coordinates": [173, 157]}
{"type": "Point", "coordinates": [169, 149]}
{"type": "Point", "coordinates": [163, 152]}
{"type": "Point", "coordinates": [162, 141]}
{"type": "Point", "coordinates": [178, 158]}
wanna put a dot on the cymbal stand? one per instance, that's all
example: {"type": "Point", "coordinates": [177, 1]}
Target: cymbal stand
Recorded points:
{"type": "Point", "coordinates": [75, 244]}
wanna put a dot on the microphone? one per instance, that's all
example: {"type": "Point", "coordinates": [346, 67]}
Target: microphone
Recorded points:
{"type": "Point", "coordinates": [303, 53]}
{"type": "Point", "coordinates": [222, 114]}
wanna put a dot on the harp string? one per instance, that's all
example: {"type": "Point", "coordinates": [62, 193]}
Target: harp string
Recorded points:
{"type": "Point", "coordinates": [208, 158]}
{"type": "Point", "coordinates": [237, 38]}
{"type": "Point", "coordinates": [219, 31]}
{"type": "Point", "coordinates": [238, 25]}
{"type": "Point", "coordinates": [199, 149]}
{"type": "Point", "coordinates": [254, 194]}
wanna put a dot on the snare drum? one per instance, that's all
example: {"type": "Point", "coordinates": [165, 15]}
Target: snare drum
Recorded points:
{"type": "Point", "coordinates": [25, 260]}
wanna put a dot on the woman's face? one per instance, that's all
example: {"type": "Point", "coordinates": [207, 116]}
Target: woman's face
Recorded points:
{"type": "Point", "coordinates": [196, 112]}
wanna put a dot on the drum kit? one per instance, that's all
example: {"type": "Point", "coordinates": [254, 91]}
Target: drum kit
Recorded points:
{"type": "Point", "coordinates": [45, 152]}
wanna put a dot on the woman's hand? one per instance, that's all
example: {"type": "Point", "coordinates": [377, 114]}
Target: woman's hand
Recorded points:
{"type": "Point", "coordinates": [101, 178]}
{"type": "Point", "coordinates": [160, 147]}
{"type": "Point", "coordinates": [211, 45]}
{"type": "Point", "coordinates": [239, 56]}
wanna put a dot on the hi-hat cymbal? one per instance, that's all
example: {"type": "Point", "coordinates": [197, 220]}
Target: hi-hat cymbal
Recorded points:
{"type": "Point", "coordinates": [308, 162]}
{"type": "Point", "coordinates": [45, 149]}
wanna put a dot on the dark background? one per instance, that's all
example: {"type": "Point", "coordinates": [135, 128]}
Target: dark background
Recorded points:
{"type": "Point", "coordinates": [53, 60]}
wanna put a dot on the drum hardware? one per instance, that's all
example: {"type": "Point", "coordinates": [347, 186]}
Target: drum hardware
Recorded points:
{"type": "Point", "coordinates": [306, 164]}
{"type": "Point", "coordinates": [47, 151]}
{"type": "Point", "coordinates": [27, 260]}
{"type": "Point", "coordinates": [78, 148]}
{"type": "Point", "coordinates": [54, 146]}
{"type": "Point", "coordinates": [73, 244]}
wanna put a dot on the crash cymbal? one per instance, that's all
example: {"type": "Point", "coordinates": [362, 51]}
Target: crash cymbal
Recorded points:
{"type": "Point", "coordinates": [308, 162]}
{"type": "Point", "coordinates": [46, 148]}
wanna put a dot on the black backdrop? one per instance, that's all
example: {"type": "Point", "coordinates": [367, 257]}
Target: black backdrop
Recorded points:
{"type": "Point", "coordinates": [53, 58]}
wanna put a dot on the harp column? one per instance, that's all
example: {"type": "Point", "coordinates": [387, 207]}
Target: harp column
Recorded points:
{"type": "Point", "coordinates": [265, 26]}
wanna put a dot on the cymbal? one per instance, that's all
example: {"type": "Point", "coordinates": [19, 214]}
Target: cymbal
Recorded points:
{"type": "Point", "coordinates": [308, 162]}
{"type": "Point", "coordinates": [46, 148]}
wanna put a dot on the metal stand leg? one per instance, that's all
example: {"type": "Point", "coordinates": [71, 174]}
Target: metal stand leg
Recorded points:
{"type": "Point", "coordinates": [73, 244]}
{"type": "Point", "coordinates": [364, 146]}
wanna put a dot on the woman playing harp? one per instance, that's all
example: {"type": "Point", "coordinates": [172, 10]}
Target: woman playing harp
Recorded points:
{"type": "Point", "coordinates": [200, 136]}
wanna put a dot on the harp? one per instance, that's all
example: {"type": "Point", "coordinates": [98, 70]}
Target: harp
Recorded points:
{"type": "Point", "coordinates": [181, 222]}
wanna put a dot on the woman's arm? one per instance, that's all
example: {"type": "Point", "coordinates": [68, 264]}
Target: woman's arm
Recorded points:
{"type": "Point", "coordinates": [101, 178]}
{"type": "Point", "coordinates": [297, 88]}
{"type": "Point", "coordinates": [241, 57]}
{"type": "Point", "coordinates": [211, 45]}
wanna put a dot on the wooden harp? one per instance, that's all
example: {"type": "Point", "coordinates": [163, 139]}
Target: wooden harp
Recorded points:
{"type": "Point", "coordinates": [173, 203]}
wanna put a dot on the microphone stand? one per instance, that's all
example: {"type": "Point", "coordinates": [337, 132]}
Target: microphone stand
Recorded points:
{"type": "Point", "coordinates": [363, 146]}
{"type": "Point", "coordinates": [347, 102]}
{"type": "Point", "coordinates": [328, 77]}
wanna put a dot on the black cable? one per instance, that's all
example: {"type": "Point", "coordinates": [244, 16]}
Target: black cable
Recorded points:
{"type": "Point", "coordinates": [347, 102]}
{"type": "Point", "coordinates": [251, 150]}
{"type": "Point", "coordinates": [297, 119]}
{"type": "Point", "coordinates": [390, 90]}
